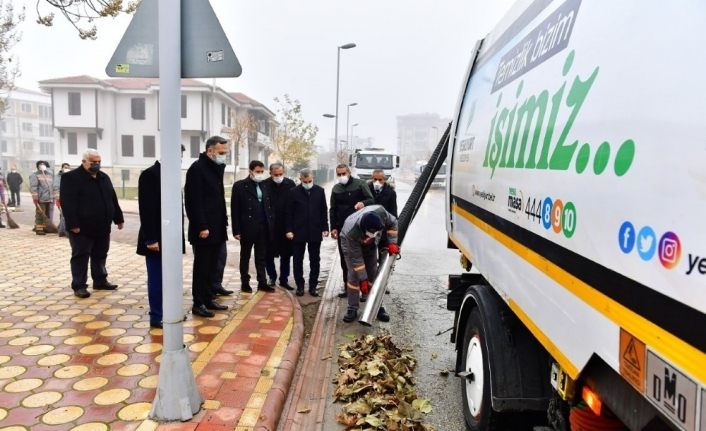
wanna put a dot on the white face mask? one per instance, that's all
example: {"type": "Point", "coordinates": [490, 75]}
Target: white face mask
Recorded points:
{"type": "Point", "coordinates": [278, 180]}
{"type": "Point", "coordinates": [343, 179]}
{"type": "Point", "coordinates": [220, 159]}
{"type": "Point", "coordinates": [308, 186]}
{"type": "Point", "coordinates": [66, 170]}
{"type": "Point", "coordinates": [42, 168]}
{"type": "Point", "coordinates": [377, 185]}
{"type": "Point", "coordinates": [258, 177]}
{"type": "Point", "coordinates": [371, 234]}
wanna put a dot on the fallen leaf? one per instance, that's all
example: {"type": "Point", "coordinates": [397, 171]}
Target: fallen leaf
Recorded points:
{"type": "Point", "coordinates": [306, 410]}
{"type": "Point", "coordinates": [325, 358]}
{"type": "Point", "coordinates": [434, 355]}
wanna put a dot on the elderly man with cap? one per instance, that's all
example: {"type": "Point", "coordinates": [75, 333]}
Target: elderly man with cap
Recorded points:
{"type": "Point", "coordinates": [359, 242]}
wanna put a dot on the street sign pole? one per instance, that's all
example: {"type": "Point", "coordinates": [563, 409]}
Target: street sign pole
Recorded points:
{"type": "Point", "coordinates": [177, 396]}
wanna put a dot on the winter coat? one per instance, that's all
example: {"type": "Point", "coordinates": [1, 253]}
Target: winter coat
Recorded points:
{"type": "Point", "coordinates": [244, 209]}
{"type": "Point", "coordinates": [307, 215]}
{"type": "Point", "coordinates": [89, 203]}
{"type": "Point", "coordinates": [387, 197]}
{"type": "Point", "coordinates": [344, 198]}
{"type": "Point", "coordinates": [352, 235]}
{"type": "Point", "coordinates": [205, 201]}
{"type": "Point", "coordinates": [279, 194]}
{"type": "Point", "coordinates": [41, 185]}
{"type": "Point", "coordinates": [14, 181]}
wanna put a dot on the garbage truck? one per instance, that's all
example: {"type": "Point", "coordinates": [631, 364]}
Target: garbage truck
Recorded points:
{"type": "Point", "coordinates": [576, 195]}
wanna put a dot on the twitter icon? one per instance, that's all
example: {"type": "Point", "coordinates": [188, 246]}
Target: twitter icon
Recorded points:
{"type": "Point", "coordinates": [646, 243]}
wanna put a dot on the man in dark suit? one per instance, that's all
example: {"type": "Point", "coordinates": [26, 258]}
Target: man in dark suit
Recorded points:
{"type": "Point", "coordinates": [279, 186]}
{"type": "Point", "coordinates": [253, 224]}
{"type": "Point", "coordinates": [307, 224]}
{"type": "Point", "coordinates": [383, 192]}
{"type": "Point", "coordinates": [90, 206]}
{"type": "Point", "coordinates": [205, 205]}
{"type": "Point", "coordinates": [149, 238]}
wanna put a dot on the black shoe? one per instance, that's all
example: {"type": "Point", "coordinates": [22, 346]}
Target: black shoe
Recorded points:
{"type": "Point", "coordinates": [300, 292]}
{"type": "Point", "coordinates": [223, 292]}
{"type": "Point", "coordinates": [387, 291]}
{"type": "Point", "coordinates": [215, 306]}
{"type": "Point", "coordinates": [313, 292]}
{"type": "Point", "coordinates": [246, 289]}
{"type": "Point", "coordinates": [265, 288]}
{"type": "Point", "coordinates": [156, 325]}
{"type": "Point", "coordinates": [105, 286]}
{"type": "Point", "coordinates": [286, 286]}
{"type": "Point", "coordinates": [363, 298]}
{"type": "Point", "coordinates": [272, 282]}
{"type": "Point", "coordinates": [351, 315]}
{"type": "Point", "coordinates": [382, 315]}
{"type": "Point", "coordinates": [81, 292]}
{"type": "Point", "coordinates": [202, 311]}
{"type": "Point", "coordinates": [343, 295]}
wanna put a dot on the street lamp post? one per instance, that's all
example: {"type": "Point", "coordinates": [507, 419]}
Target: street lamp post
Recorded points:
{"type": "Point", "coordinates": [338, 80]}
{"type": "Point", "coordinates": [352, 138]}
{"type": "Point", "coordinates": [348, 117]}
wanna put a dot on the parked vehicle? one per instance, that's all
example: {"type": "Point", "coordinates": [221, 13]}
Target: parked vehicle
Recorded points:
{"type": "Point", "coordinates": [364, 161]}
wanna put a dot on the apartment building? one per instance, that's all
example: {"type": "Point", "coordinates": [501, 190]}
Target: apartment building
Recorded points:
{"type": "Point", "coordinates": [120, 118]}
{"type": "Point", "coordinates": [417, 135]}
{"type": "Point", "coordinates": [26, 132]}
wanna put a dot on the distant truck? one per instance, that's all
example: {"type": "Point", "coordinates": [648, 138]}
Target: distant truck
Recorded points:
{"type": "Point", "coordinates": [364, 161]}
{"type": "Point", "coordinates": [577, 192]}
{"type": "Point", "coordinates": [440, 178]}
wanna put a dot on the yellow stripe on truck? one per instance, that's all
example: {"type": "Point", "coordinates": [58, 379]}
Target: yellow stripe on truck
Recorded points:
{"type": "Point", "coordinates": [680, 354]}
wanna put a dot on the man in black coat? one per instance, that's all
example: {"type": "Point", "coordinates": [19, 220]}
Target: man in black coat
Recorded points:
{"type": "Point", "coordinates": [386, 196]}
{"type": "Point", "coordinates": [205, 205]}
{"type": "Point", "coordinates": [90, 206]}
{"type": "Point", "coordinates": [14, 182]}
{"type": "Point", "coordinates": [279, 186]}
{"type": "Point", "coordinates": [307, 224]}
{"type": "Point", "coordinates": [253, 224]}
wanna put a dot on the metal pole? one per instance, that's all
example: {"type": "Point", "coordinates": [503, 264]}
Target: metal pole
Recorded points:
{"type": "Point", "coordinates": [338, 78]}
{"type": "Point", "coordinates": [177, 397]}
{"type": "Point", "coordinates": [348, 116]}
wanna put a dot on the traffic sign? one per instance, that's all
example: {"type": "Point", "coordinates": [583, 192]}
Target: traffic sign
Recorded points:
{"type": "Point", "coordinates": [205, 50]}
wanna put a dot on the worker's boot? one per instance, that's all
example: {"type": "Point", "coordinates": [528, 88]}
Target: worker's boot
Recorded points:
{"type": "Point", "coordinates": [351, 315]}
{"type": "Point", "coordinates": [39, 229]}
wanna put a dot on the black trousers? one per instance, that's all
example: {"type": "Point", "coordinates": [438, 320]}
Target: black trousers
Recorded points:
{"type": "Point", "coordinates": [314, 263]}
{"type": "Point", "coordinates": [247, 243]}
{"type": "Point", "coordinates": [218, 278]}
{"type": "Point", "coordinates": [15, 197]}
{"type": "Point", "coordinates": [83, 248]}
{"type": "Point", "coordinates": [344, 267]}
{"type": "Point", "coordinates": [204, 273]}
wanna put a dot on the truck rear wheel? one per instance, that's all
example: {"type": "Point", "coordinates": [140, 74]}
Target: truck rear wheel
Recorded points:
{"type": "Point", "coordinates": [477, 409]}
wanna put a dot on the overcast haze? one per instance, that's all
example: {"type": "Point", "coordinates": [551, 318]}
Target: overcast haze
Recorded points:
{"type": "Point", "coordinates": [410, 58]}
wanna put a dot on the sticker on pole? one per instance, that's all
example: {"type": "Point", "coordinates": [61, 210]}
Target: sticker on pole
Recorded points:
{"type": "Point", "coordinates": [215, 55]}
{"type": "Point", "coordinates": [672, 392]}
{"type": "Point", "coordinates": [122, 68]}
{"type": "Point", "coordinates": [632, 360]}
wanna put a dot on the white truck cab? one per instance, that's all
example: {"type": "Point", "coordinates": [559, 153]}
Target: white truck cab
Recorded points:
{"type": "Point", "coordinates": [364, 161]}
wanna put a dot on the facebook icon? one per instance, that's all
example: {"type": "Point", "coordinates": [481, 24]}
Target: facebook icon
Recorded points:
{"type": "Point", "coordinates": [626, 237]}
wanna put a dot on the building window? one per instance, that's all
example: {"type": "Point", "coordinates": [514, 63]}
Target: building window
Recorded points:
{"type": "Point", "coordinates": [3, 146]}
{"type": "Point", "coordinates": [26, 107]}
{"type": "Point", "coordinates": [148, 147]}
{"type": "Point", "coordinates": [45, 130]}
{"type": "Point", "coordinates": [27, 146]}
{"type": "Point", "coordinates": [195, 145]}
{"type": "Point", "coordinates": [127, 146]}
{"type": "Point", "coordinates": [44, 111]}
{"type": "Point", "coordinates": [46, 148]}
{"type": "Point", "coordinates": [223, 113]}
{"type": "Point", "coordinates": [92, 141]}
{"type": "Point", "coordinates": [72, 141]}
{"type": "Point", "coordinates": [229, 117]}
{"type": "Point", "coordinates": [183, 106]}
{"type": "Point", "coordinates": [137, 108]}
{"type": "Point", "coordinates": [27, 127]}
{"type": "Point", "coordinates": [3, 126]}
{"type": "Point", "coordinates": [74, 103]}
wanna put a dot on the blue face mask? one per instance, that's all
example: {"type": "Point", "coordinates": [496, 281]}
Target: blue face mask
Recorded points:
{"type": "Point", "coordinates": [220, 159]}
{"type": "Point", "coordinates": [308, 186]}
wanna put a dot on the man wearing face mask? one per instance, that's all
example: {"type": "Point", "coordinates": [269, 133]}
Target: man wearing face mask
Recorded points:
{"type": "Point", "coordinates": [14, 182]}
{"type": "Point", "coordinates": [348, 195]}
{"type": "Point", "coordinates": [41, 186]}
{"type": "Point", "coordinates": [89, 205]}
{"type": "Point", "coordinates": [307, 225]}
{"type": "Point", "coordinates": [360, 236]}
{"type": "Point", "coordinates": [253, 224]}
{"type": "Point", "coordinates": [386, 196]}
{"type": "Point", "coordinates": [204, 201]}
{"type": "Point", "coordinates": [65, 167]}
{"type": "Point", "coordinates": [279, 186]}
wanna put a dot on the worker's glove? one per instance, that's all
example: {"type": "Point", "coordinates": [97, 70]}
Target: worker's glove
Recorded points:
{"type": "Point", "coordinates": [364, 287]}
{"type": "Point", "coordinates": [58, 203]}
{"type": "Point", "coordinates": [393, 249]}
{"type": "Point", "coordinates": [36, 202]}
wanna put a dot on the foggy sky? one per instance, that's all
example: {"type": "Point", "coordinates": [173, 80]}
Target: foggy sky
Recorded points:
{"type": "Point", "coordinates": [410, 58]}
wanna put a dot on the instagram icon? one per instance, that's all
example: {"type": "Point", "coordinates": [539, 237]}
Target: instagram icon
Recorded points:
{"type": "Point", "coordinates": [669, 250]}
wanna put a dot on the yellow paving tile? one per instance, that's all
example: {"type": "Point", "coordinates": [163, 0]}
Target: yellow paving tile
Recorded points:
{"type": "Point", "coordinates": [24, 313]}
{"type": "Point", "coordinates": [207, 330]}
{"type": "Point", "coordinates": [243, 353]}
{"type": "Point", "coordinates": [112, 359]}
{"type": "Point", "coordinates": [94, 349]}
{"type": "Point", "coordinates": [188, 338]}
{"type": "Point", "coordinates": [24, 385]}
{"type": "Point", "coordinates": [249, 417]}
{"type": "Point", "coordinates": [256, 401]}
{"type": "Point", "coordinates": [12, 332]}
{"type": "Point", "coordinates": [265, 321]}
{"type": "Point", "coordinates": [3, 414]}
{"type": "Point", "coordinates": [53, 360]}
{"type": "Point", "coordinates": [11, 372]}
{"type": "Point", "coordinates": [64, 332]}
{"type": "Point", "coordinates": [135, 412]}
{"type": "Point", "coordinates": [97, 324]}
{"type": "Point", "coordinates": [75, 341]}
{"type": "Point", "coordinates": [148, 348]}
{"type": "Point", "coordinates": [91, 426]}
{"type": "Point", "coordinates": [111, 396]}
{"type": "Point", "coordinates": [23, 341]}
{"type": "Point", "coordinates": [36, 319]}
{"type": "Point", "coordinates": [57, 307]}
{"type": "Point", "coordinates": [198, 347]}
{"type": "Point", "coordinates": [211, 404]}
{"type": "Point", "coordinates": [149, 382]}
{"type": "Point", "coordinates": [112, 332]}
{"type": "Point", "coordinates": [192, 323]}
{"type": "Point", "coordinates": [13, 428]}
{"type": "Point", "coordinates": [83, 318]}
{"type": "Point", "coordinates": [90, 383]}
{"type": "Point", "coordinates": [133, 370]}
{"type": "Point", "coordinates": [62, 415]}
{"type": "Point", "coordinates": [263, 385]}
{"type": "Point", "coordinates": [48, 325]}
{"type": "Point", "coordinates": [254, 335]}
{"type": "Point", "coordinates": [40, 349]}
{"type": "Point", "coordinates": [131, 339]}
{"type": "Point", "coordinates": [41, 399]}
{"type": "Point", "coordinates": [5, 325]}
{"type": "Point", "coordinates": [71, 371]}
{"type": "Point", "coordinates": [129, 318]}
{"type": "Point", "coordinates": [69, 312]}
{"type": "Point", "coordinates": [228, 375]}
{"type": "Point", "coordinates": [148, 425]}
{"type": "Point", "coordinates": [114, 311]}
{"type": "Point", "coordinates": [4, 358]}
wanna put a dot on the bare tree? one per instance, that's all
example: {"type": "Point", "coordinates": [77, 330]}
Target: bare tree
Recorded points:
{"type": "Point", "coordinates": [89, 10]}
{"type": "Point", "coordinates": [294, 138]}
{"type": "Point", "coordinates": [244, 126]}
{"type": "Point", "coordinates": [9, 37]}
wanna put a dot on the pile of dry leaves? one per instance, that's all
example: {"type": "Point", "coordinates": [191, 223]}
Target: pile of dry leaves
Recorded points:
{"type": "Point", "coordinates": [376, 380]}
